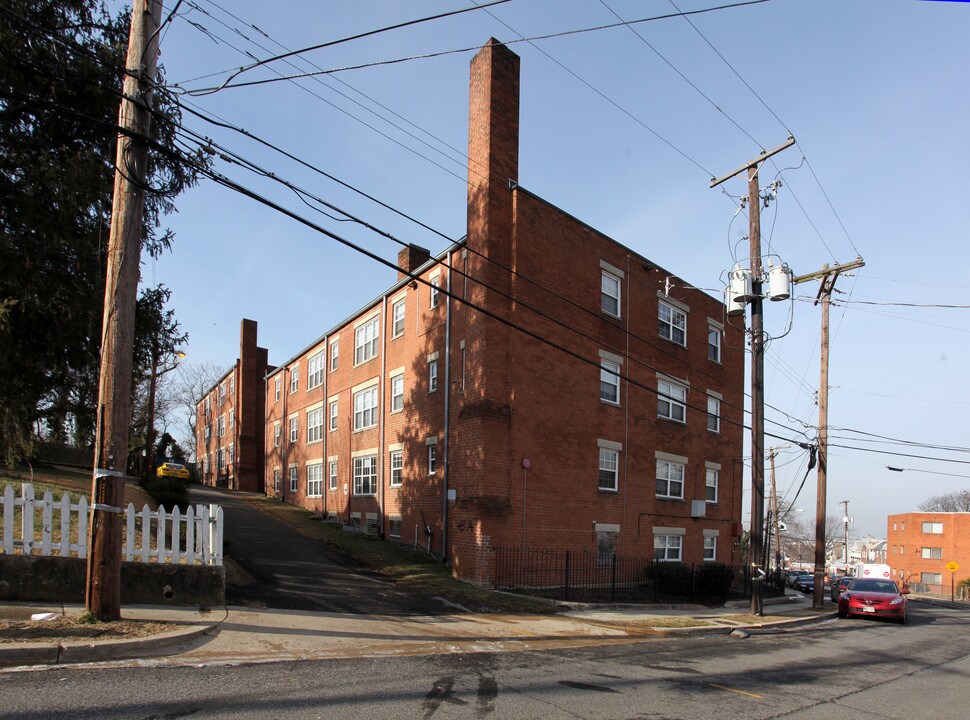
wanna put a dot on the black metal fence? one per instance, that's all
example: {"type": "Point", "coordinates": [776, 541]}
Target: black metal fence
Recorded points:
{"type": "Point", "coordinates": [584, 576]}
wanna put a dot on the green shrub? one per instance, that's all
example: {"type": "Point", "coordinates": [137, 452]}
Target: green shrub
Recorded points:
{"type": "Point", "coordinates": [714, 580]}
{"type": "Point", "coordinates": [168, 491]}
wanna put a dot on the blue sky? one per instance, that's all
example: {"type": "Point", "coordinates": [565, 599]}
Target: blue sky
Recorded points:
{"type": "Point", "coordinates": [624, 131]}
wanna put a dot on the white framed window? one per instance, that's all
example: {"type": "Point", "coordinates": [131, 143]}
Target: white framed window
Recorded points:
{"type": "Point", "coordinates": [394, 526]}
{"type": "Point", "coordinates": [222, 393]}
{"type": "Point", "coordinates": [232, 452]}
{"type": "Point", "coordinates": [294, 428]}
{"type": "Point", "coordinates": [432, 376]}
{"type": "Point", "coordinates": [713, 413]}
{"type": "Point", "coordinates": [932, 553]}
{"type": "Point", "coordinates": [673, 323]}
{"type": "Point", "coordinates": [365, 408]}
{"type": "Point", "coordinates": [435, 284]}
{"type": "Point", "coordinates": [294, 379]}
{"type": "Point", "coordinates": [714, 343]}
{"type": "Point", "coordinates": [314, 425]}
{"type": "Point", "coordinates": [333, 474]}
{"type": "Point", "coordinates": [294, 479]}
{"type": "Point", "coordinates": [276, 480]}
{"type": "Point", "coordinates": [222, 426]}
{"type": "Point", "coordinates": [931, 528]}
{"type": "Point", "coordinates": [670, 479]}
{"type": "Point", "coordinates": [930, 578]}
{"type": "Point", "coordinates": [609, 382]}
{"type": "Point", "coordinates": [432, 459]}
{"type": "Point", "coordinates": [397, 468]}
{"type": "Point", "coordinates": [334, 353]}
{"type": "Point", "coordinates": [207, 406]}
{"type": "Point", "coordinates": [397, 393]}
{"type": "Point", "coordinates": [668, 548]}
{"type": "Point", "coordinates": [397, 318]}
{"type": "Point", "coordinates": [277, 395]}
{"type": "Point", "coordinates": [276, 434]}
{"type": "Point", "coordinates": [333, 415]}
{"type": "Point", "coordinates": [232, 385]}
{"type": "Point", "coordinates": [232, 417]}
{"type": "Point", "coordinates": [712, 475]}
{"type": "Point", "coordinates": [365, 475]}
{"type": "Point", "coordinates": [314, 480]}
{"type": "Point", "coordinates": [314, 371]}
{"type": "Point", "coordinates": [366, 337]}
{"type": "Point", "coordinates": [671, 401]}
{"type": "Point", "coordinates": [208, 432]}
{"type": "Point", "coordinates": [609, 470]}
{"type": "Point", "coordinates": [221, 458]}
{"type": "Point", "coordinates": [610, 294]}
{"type": "Point", "coordinates": [710, 548]}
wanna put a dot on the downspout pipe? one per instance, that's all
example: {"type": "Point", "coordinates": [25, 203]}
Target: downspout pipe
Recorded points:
{"type": "Point", "coordinates": [381, 442]}
{"type": "Point", "coordinates": [447, 433]}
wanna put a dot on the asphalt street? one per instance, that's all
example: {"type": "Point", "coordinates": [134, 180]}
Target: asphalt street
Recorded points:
{"type": "Point", "coordinates": [294, 572]}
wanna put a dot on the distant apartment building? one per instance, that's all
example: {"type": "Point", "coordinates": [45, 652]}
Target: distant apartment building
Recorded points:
{"type": "Point", "coordinates": [231, 420]}
{"type": "Point", "coordinates": [536, 384]}
{"type": "Point", "coordinates": [920, 545]}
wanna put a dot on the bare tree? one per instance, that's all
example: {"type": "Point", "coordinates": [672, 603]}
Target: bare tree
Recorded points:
{"type": "Point", "coordinates": [798, 540]}
{"type": "Point", "coordinates": [957, 501]}
{"type": "Point", "coordinates": [185, 388]}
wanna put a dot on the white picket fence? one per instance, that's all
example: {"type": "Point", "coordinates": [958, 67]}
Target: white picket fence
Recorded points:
{"type": "Point", "coordinates": [158, 537]}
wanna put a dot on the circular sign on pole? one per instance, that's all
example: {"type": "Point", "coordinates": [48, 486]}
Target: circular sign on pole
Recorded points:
{"type": "Point", "coordinates": [952, 567]}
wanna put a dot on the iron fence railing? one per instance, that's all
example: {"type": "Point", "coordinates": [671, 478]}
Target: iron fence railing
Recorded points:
{"type": "Point", "coordinates": [585, 576]}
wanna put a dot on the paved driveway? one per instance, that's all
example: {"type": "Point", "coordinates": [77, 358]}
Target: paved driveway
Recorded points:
{"type": "Point", "coordinates": [294, 572]}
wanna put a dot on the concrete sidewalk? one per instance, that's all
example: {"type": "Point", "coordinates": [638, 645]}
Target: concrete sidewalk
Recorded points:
{"type": "Point", "coordinates": [236, 635]}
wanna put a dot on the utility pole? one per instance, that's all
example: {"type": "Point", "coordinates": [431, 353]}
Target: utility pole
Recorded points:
{"type": "Point", "coordinates": [102, 592]}
{"type": "Point", "coordinates": [845, 523]}
{"type": "Point", "coordinates": [828, 276]}
{"type": "Point", "coordinates": [757, 375]}
{"type": "Point", "coordinates": [774, 511]}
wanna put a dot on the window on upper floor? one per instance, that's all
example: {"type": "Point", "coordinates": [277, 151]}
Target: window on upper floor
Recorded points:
{"type": "Point", "coordinates": [333, 474]}
{"type": "Point", "coordinates": [365, 408]}
{"type": "Point", "coordinates": [714, 343]}
{"type": "Point", "coordinates": [314, 371]}
{"type": "Point", "coordinates": [609, 470]}
{"type": "Point", "coordinates": [435, 284]}
{"type": "Point", "coordinates": [671, 401]}
{"type": "Point", "coordinates": [432, 376]}
{"type": "Point", "coordinates": [276, 434]}
{"type": "Point", "coordinates": [232, 385]}
{"type": "Point", "coordinates": [609, 382]}
{"type": "Point", "coordinates": [932, 528]}
{"type": "Point", "coordinates": [334, 353]}
{"type": "Point", "coordinates": [610, 294]}
{"type": "Point", "coordinates": [932, 553]}
{"type": "Point", "coordinates": [294, 378]}
{"type": "Point", "coordinates": [333, 414]}
{"type": "Point", "coordinates": [294, 428]}
{"type": "Point", "coordinates": [713, 414]}
{"type": "Point", "coordinates": [277, 394]}
{"type": "Point", "coordinates": [670, 479]}
{"type": "Point", "coordinates": [673, 323]}
{"type": "Point", "coordinates": [222, 426]}
{"type": "Point", "coordinates": [314, 425]}
{"type": "Point", "coordinates": [432, 459]}
{"type": "Point", "coordinates": [397, 393]}
{"type": "Point", "coordinates": [397, 315]}
{"type": "Point", "coordinates": [232, 417]}
{"type": "Point", "coordinates": [710, 485]}
{"type": "Point", "coordinates": [366, 338]}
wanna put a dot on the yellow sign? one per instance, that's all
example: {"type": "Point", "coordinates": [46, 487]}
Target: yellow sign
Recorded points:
{"type": "Point", "coordinates": [952, 566]}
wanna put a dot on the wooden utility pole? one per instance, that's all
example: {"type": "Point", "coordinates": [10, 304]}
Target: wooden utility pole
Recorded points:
{"type": "Point", "coordinates": [828, 276]}
{"type": "Point", "coordinates": [774, 511]}
{"type": "Point", "coordinates": [757, 375]}
{"type": "Point", "coordinates": [102, 596]}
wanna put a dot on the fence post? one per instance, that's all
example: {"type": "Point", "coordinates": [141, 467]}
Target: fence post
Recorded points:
{"type": "Point", "coordinates": [27, 518]}
{"type": "Point", "coordinates": [613, 579]}
{"type": "Point", "coordinates": [566, 588]}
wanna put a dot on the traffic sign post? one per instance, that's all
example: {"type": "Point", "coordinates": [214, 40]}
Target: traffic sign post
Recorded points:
{"type": "Point", "coordinates": [952, 567]}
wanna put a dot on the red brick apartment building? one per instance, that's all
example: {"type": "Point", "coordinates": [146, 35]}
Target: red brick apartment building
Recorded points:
{"type": "Point", "coordinates": [536, 384]}
{"type": "Point", "coordinates": [231, 420]}
{"type": "Point", "coordinates": [920, 545]}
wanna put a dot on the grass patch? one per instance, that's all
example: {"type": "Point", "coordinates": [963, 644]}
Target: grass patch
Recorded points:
{"type": "Point", "coordinates": [409, 566]}
{"type": "Point", "coordinates": [68, 629]}
{"type": "Point", "coordinates": [669, 622]}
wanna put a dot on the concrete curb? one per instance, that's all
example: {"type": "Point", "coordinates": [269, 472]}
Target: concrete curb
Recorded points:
{"type": "Point", "coordinates": [39, 653]}
{"type": "Point", "coordinates": [753, 628]}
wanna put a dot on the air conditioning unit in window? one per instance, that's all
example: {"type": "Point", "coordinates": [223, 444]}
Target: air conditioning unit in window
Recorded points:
{"type": "Point", "coordinates": [698, 508]}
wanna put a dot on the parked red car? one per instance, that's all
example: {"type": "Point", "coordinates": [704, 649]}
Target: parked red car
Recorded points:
{"type": "Point", "coordinates": [874, 598]}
